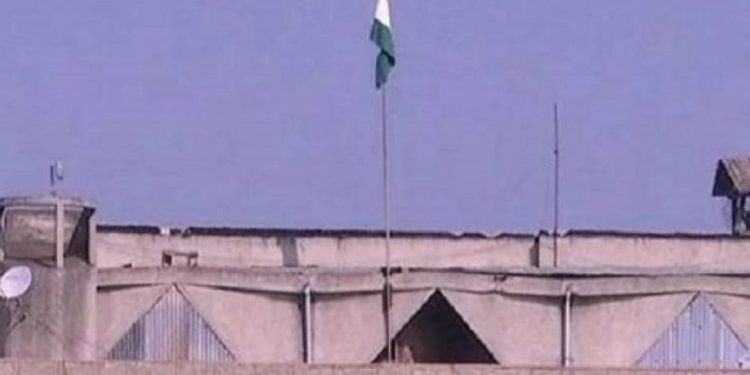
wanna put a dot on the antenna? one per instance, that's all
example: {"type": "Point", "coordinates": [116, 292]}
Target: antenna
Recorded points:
{"type": "Point", "coordinates": [557, 185]}
{"type": "Point", "coordinates": [55, 175]}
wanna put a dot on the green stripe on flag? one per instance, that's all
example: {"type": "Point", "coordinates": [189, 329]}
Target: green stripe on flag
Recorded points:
{"type": "Point", "coordinates": [380, 34]}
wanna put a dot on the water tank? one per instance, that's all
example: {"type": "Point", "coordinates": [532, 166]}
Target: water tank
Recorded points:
{"type": "Point", "coordinates": [47, 228]}
{"type": "Point", "coordinates": [55, 318]}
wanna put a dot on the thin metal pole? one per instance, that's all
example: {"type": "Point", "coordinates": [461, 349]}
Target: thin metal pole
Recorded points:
{"type": "Point", "coordinates": [59, 232]}
{"type": "Point", "coordinates": [566, 330]}
{"type": "Point", "coordinates": [308, 324]}
{"type": "Point", "coordinates": [387, 211]}
{"type": "Point", "coordinates": [557, 186]}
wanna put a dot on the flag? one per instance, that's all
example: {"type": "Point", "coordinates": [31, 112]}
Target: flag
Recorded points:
{"type": "Point", "coordinates": [382, 35]}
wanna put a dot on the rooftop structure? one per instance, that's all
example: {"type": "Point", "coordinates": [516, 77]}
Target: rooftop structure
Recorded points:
{"type": "Point", "coordinates": [599, 299]}
{"type": "Point", "coordinates": [732, 181]}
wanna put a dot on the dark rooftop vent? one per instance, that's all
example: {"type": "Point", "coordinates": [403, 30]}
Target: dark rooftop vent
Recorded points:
{"type": "Point", "coordinates": [437, 334]}
{"type": "Point", "coordinates": [732, 181]}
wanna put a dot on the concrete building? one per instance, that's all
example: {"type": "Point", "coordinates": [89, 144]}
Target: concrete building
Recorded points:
{"type": "Point", "coordinates": [239, 296]}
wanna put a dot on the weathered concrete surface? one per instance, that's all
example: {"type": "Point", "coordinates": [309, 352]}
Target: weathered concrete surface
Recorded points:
{"type": "Point", "coordinates": [519, 319]}
{"type": "Point", "coordinates": [56, 318]}
{"type": "Point", "coordinates": [45, 367]}
{"type": "Point", "coordinates": [256, 327]}
{"type": "Point", "coordinates": [525, 282]}
{"type": "Point", "coordinates": [248, 287]}
{"type": "Point", "coordinates": [644, 251]}
{"type": "Point", "coordinates": [620, 329]}
{"type": "Point", "coordinates": [519, 331]}
{"type": "Point", "coordinates": [141, 250]}
{"type": "Point", "coordinates": [575, 250]}
{"type": "Point", "coordinates": [350, 328]}
{"type": "Point", "coordinates": [28, 228]}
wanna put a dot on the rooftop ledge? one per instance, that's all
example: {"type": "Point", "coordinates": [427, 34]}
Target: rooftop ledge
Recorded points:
{"type": "Point", "coordinates": [45, 200]}
{"type": "Point", "coordinates": [373, 233]}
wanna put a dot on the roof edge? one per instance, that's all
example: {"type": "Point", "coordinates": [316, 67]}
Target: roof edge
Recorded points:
{"type": "Point", "coordinates": [373, 233]}
{"type": "Point", "coordinates": [301, 232]}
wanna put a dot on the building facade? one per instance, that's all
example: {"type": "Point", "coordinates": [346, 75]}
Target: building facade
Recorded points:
{"type": "Point", "coordinates": [283, 296]}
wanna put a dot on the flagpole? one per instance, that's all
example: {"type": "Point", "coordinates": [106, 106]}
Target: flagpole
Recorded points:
{"type": "Point", "coordinates": [387, 214]}
{"type": "Point", "coordinates": [380, 34]}
{"type": "Point", "coordinates": [555, 230]}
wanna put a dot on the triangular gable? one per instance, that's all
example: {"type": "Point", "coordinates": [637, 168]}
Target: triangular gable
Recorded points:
{"type": "Point", "coordinates": [122, 307]}
{"type": "Point", "coordinates": [437, 333]}
{"type": "Point", "coordinates": [698, 338]}
{"type": "Point", "coordinates": [172, 330]}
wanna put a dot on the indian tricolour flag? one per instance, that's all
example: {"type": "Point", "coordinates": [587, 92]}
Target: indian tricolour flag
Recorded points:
{"type": "Point", "coordinates": [382, 35]}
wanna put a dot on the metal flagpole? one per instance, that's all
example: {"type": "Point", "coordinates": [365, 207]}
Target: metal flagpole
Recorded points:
{"type": "Point", "coordinates": [387, 212]}
{"type": "Point", "coordinates": [557, 187]}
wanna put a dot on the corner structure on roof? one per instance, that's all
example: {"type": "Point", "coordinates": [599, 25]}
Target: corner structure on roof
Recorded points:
{"type": "Point", "coordinates": [732, 181]}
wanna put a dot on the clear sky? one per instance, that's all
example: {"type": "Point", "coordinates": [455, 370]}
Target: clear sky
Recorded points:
{"type": "Point", "coordinates": [264, 113]}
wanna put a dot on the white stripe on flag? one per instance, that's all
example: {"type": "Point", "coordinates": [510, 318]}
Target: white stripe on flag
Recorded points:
{"type": "Point", "coordinates": [383, 13]}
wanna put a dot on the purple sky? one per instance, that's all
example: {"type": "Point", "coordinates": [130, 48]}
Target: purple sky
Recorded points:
{"type": "Point", "coordinates": [263, 112]}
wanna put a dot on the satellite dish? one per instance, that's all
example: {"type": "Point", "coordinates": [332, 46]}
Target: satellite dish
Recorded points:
{"type": "Point", "coordinates": [15, 282]}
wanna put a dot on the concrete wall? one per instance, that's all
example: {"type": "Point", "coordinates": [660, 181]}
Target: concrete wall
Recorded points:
{"type": "Point", "coordinates": [519, 318]}
{"type": "Point", "coordinates": [142, 250]}
{"type": "Point", "coordinates": [589, 250]}
{"type": "Point", "coordinates": [626, 289]}
{"type": "Point", "coordinates": [648, 251]}
{"type": "Point", "coordinates": [56, 318]}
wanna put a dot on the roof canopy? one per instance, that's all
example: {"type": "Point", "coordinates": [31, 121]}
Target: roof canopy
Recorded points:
{"type": "Point", "coordinates": [732, 178]}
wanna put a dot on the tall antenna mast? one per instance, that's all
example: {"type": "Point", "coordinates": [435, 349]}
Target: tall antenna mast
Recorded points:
{"type": "Point", "coordinates": [555, 232]}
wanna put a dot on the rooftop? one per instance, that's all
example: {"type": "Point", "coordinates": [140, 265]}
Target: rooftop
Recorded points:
{"type": "Point", "coordinates": [732, 178]}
